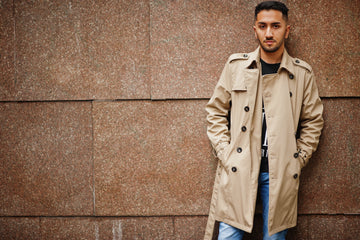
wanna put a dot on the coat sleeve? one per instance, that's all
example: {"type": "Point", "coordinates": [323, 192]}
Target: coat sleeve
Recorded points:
{"type": "Point", "coordinates": [217, 113]}
{"type": "Point", "coordinates": [311, 120]}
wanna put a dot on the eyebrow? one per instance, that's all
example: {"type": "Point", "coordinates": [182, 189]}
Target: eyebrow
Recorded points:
{"type": "Point", "coordinates": [270, 23]}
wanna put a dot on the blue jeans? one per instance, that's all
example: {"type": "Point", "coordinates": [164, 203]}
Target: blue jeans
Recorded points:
{"type": "Point", "coordinates": [227, 232]}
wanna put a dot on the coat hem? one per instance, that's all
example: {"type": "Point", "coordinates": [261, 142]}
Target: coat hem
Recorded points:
{"type": "Point", "coordinates": [236, 225]}
{"type": "Point", "coordinates": [282, 228]}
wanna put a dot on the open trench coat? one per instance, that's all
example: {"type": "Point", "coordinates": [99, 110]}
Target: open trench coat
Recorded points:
{"type": "Point", "coordinates": [294, 120]}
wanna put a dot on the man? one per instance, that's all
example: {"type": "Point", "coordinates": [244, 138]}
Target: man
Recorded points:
{"type": "Point", "coordinates": [264, 123]}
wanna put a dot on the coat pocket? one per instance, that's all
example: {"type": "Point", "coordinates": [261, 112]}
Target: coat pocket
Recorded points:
{"type": "Point", "coordinates": [295, 167]}
{"type": "Point", "coordinates": [224, 155]}
{"type": "Point", "coordinates": [239, 87]}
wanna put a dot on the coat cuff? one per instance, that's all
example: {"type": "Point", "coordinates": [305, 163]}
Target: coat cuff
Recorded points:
{"type": "Point", "coordinates": [303, 158]}
{"type": "Point", "coordinates": [220, 150]}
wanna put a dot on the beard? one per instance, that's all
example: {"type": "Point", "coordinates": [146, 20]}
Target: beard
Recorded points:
{"type": "Point", "coordinates": [272, 49]}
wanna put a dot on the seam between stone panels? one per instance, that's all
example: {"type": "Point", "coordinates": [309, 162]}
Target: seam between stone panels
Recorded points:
{"type": "Point", "coordinates": [45, 101]}
{"type": "Point", "coordinates": [149, 66]}
{"type": "Point", "coordinates": [160, 216]}
{"type": "Point", "coordinates": [144, 99]}
{"type": "Point", "coordinates": [14, 44]}
{"type": "Point", "coordinates": [92, 158]}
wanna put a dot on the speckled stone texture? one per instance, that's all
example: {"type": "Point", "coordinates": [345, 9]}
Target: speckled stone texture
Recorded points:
{"type": "Point", "coordinates": [190, 227]}
{"type": "Point", "coordinates": [314, 227]}
{"type": "Point", "coordinates": [325, 34]}
{"type": "Point", "coordinates": [152, 158]}
{"type": "Point", "coordinates": [102, 228]}
{"type": "Point", "coordinates": [69, 50]}
{"type": "Point", "coordinates": [18, 228]}
{"type": "Point", "coordinates": [7, 68]}
{"type": "Point", "coordinates": [191, 41]}
{"type": "Point", "coordinates": [46, 161]}
{"type": "Point", "coordinates": [136, 228]}
{"type": "Point", "coordinates": [310, 227]}
{"type": "Point", "coordinates": [330, 183]}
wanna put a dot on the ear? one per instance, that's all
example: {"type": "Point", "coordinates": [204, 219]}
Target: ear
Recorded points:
{"type": "Point", "coordinates": [287, 31]}
{"type": "Point", "coordinates": [255, 32]}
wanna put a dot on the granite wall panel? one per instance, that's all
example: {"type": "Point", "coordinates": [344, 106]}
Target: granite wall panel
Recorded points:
{"type": "Point", "coordinates": [191, 41]}
{"type": "Point", "coordinates": [18, 228]}
{"type": "Point", "coordinates": [333, 227]}
{"type": "Point", "coordinates": [325, 34]}
{"type": "Point", "coordinates": [330, 183]}
{"type": "Point", "coordinates": [70, 228]}
{"type": "Point", "coordinates": [151, 158]}
{"type": "Point", "coordinates": [46, 159]}
{"type": "Point", "coordinates": [70, 50]}
{"type": "Point", "coordinates": [189, 227]}
{"type": "Point", "coordinates": [309, 227]}
{"type": "Point", "coordinates": [7, 68]}
{"type": "Point", "coordinates": [136, 228]}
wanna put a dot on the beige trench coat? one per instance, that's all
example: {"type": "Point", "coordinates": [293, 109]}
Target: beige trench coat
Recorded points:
{"type": "Point", "coordinates": [292, 106]}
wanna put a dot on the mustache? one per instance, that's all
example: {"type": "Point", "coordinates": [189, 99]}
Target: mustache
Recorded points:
{"type": "Point", "coordinates": [269, 39]}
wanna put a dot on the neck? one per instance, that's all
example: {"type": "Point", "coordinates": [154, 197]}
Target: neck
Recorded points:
{"type": "Point", "coordinates": [272, 57]}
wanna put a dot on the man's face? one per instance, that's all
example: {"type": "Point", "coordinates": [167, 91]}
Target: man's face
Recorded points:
{"type": "Point", "coordinates": [271, 30]}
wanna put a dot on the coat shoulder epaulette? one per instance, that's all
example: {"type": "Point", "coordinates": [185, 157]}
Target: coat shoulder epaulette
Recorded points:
{"type": "Point", "coordinates": [238, 56]}
{"type": "Point", "coordinates": [303, 64]}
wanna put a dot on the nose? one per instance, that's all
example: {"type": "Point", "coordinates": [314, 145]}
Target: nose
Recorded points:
{"type": "Point", "coordinates": [268, 33]}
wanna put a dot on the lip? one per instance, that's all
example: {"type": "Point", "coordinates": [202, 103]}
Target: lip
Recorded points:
{"type": "Point", "coordinates": [270, 42]}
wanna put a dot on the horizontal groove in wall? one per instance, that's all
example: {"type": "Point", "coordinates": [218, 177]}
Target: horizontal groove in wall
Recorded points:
{"type": "Point", "coordinates": [172, 216]}
{"type": "Point", "coordinates": [145, 99]}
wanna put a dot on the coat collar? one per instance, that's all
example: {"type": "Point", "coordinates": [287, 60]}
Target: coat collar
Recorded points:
{"type": "Point", "coordinates": [286, 61]}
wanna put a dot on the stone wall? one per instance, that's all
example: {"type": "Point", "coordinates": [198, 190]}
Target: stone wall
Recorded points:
{"type": "Point", "coordinates": [102, 120]}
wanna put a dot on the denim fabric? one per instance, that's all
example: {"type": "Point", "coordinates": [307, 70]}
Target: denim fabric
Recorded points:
{"type": "Point", "coordinates": [227, 232]}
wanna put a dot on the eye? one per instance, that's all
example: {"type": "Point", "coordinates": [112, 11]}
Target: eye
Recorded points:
{"type": "Point", "coordinates": [276, 26]}
{"type": "Point", "coordinates": [261, 26]}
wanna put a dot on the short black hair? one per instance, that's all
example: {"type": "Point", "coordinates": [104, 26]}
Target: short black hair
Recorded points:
{"type": "Point", "coordinates": [275, 5]}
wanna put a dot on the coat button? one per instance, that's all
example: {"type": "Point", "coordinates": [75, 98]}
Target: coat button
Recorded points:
{"type": "Point", "coordinates": [296, 176]}
{"type": "Point", "coordinates": [239, 149]}
{"type": "Point", "coordinates": [246, 108]}
{"type": "Point", "coordinates": [233, 169]}
{"type": "Point", "coordinates": [290, 94]}
{"type": "Point", "coordinates": [296, 155]}
{"type": "Point", "coordinates": [245, 55]}
{"type": "Point", "coordinates": [243, 128]}
{"type": "Point", "coordinates": [297, 61]}
{"type": "Point", "coordinates": [291, 76]}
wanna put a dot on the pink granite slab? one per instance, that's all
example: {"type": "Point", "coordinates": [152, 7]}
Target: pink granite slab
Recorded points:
{"type": "Point", "coordinates": [69, 50]}
{"type": "Point", "coordinates": [7, 67]}
{"type": "Point", "coordinates": [20, 228]}
{"type": "Point", "coordinates": [191, 41]}
{"type": "Point", "coordinates": [325, 34]}
{"type": "Point", "coordinates": [330, 184]}
{"type": "Point", "coordinates": [152, 158]}
{"type": "Point", "coordinates": [46, 159]}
